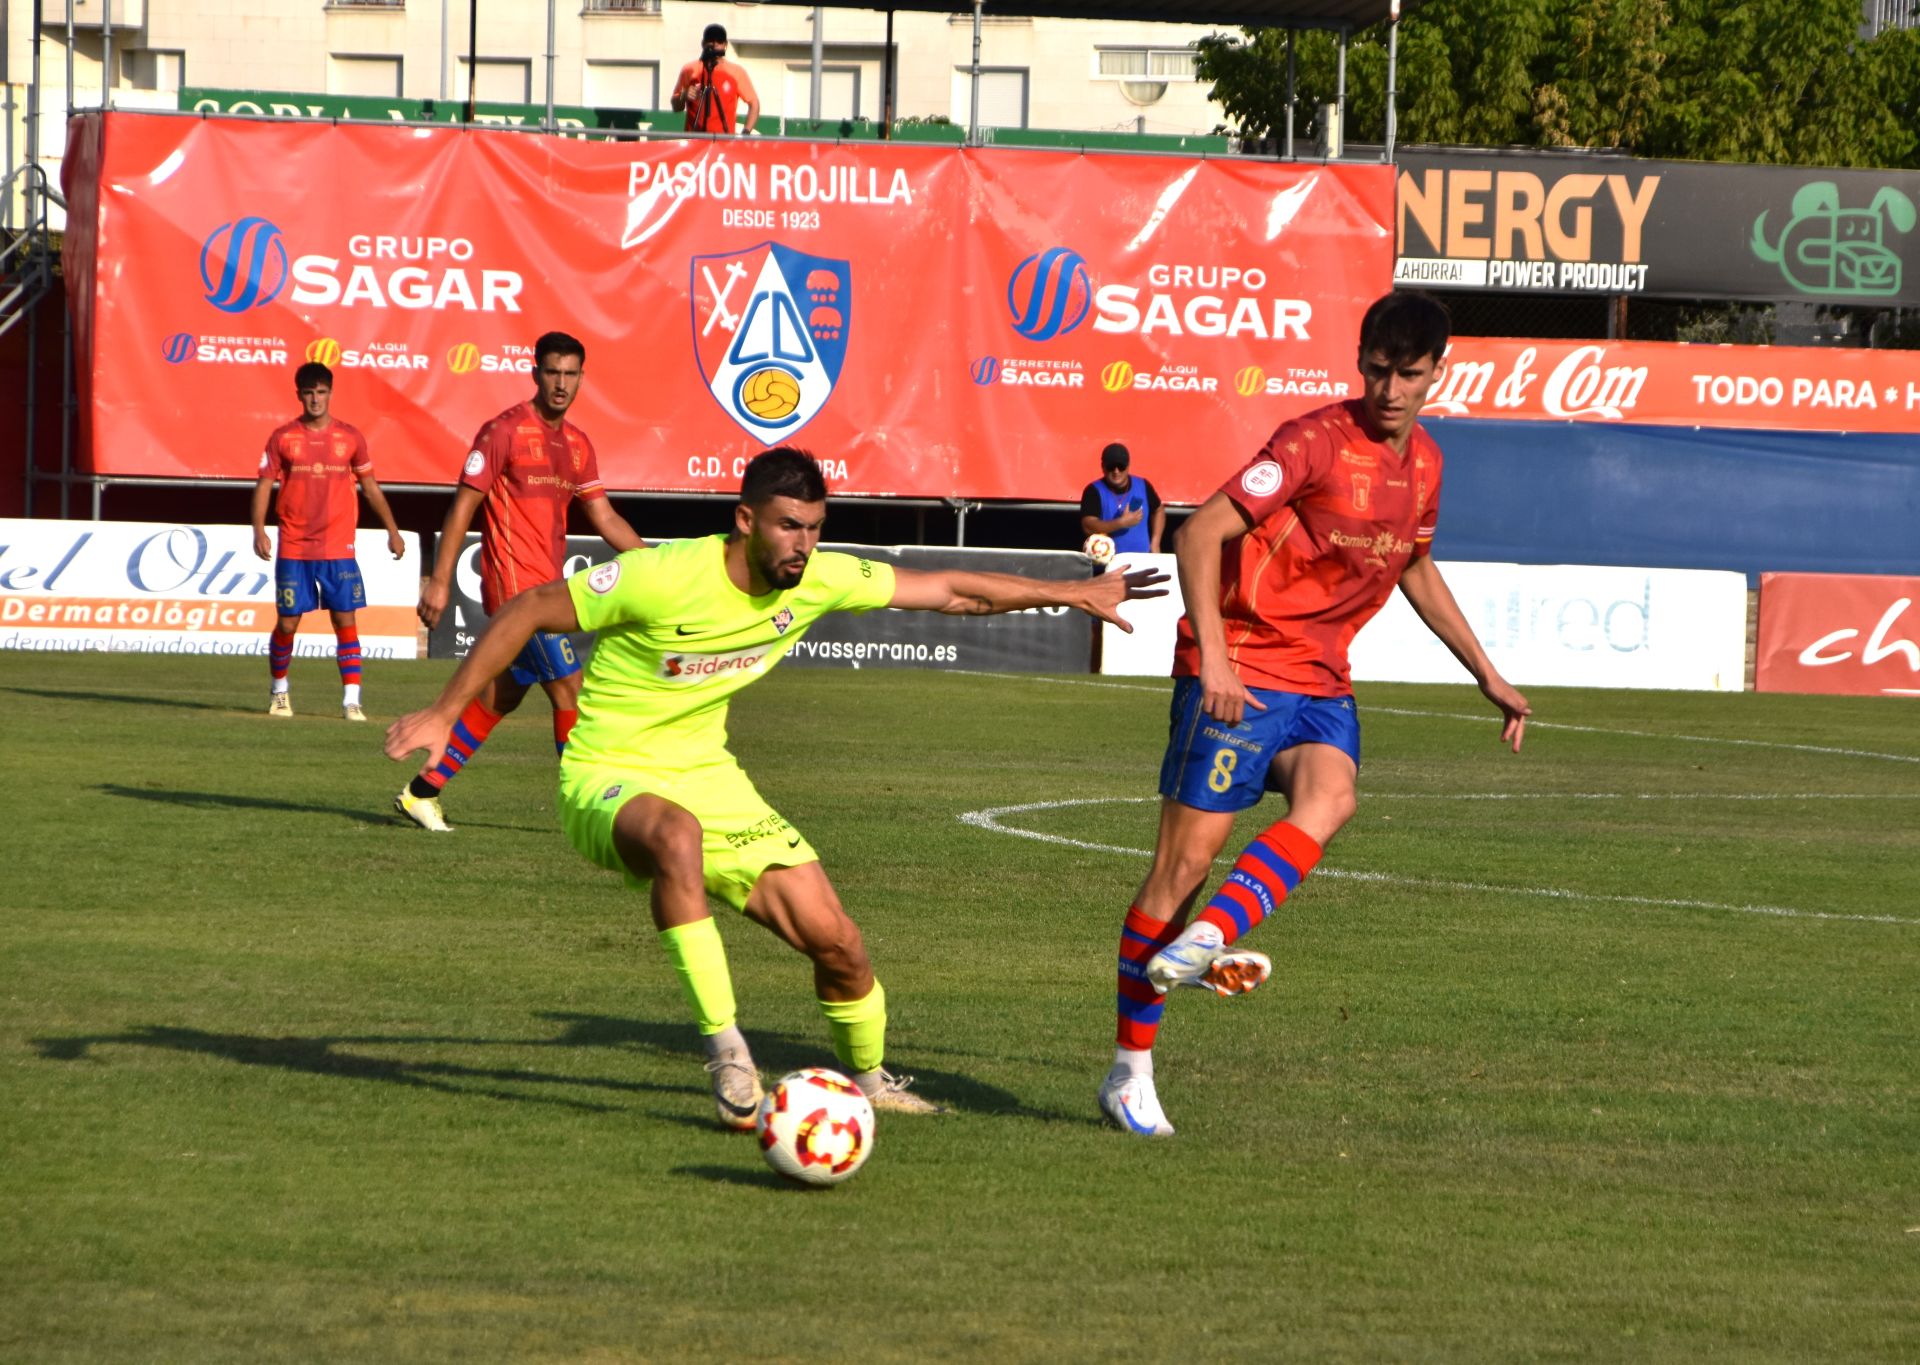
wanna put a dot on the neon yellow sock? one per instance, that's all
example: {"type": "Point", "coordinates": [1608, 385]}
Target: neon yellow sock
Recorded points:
{"type": "Point", "coordinates": [700, 961]}
{"type": "Point", "coordinates": [859, 1029]}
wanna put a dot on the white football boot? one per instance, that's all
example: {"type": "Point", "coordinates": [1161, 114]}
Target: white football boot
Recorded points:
{"type": "Point", "coordinates": [1128, 1100]}
{"type": "Point", "coordinates": [736, 1091]}
{"type": "Point", "coordinates": [1199, 958]}
{"type": "Point", "coordinates": [888, 1093]}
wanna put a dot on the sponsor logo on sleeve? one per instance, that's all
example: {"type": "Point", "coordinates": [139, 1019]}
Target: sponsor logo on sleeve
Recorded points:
{"type": "Point", "coordinates": [1261, 479]}
{"type": "Point", "coordinates": [604, 576]}
{"type": "Point", "coordinates": [476, 462]}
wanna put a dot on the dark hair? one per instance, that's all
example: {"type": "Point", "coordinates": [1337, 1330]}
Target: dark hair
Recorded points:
{"type": "Point", "coordinates": [558, 343]}
{"type": "Point", "coordinates": [311, 373]}
{"type": "Point", "coordinates": [715, 33]}
{"type": "Point", "coordinates": [1114, 457]}
{"type": "Point", "coordinates": [783, 472]}
{"type": "Point", "coordinates": [1406, 327]}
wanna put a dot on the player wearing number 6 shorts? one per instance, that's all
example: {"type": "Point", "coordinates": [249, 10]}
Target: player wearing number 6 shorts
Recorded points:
{"type": "Point", "coordinates": [647, 787]}
{"type": "Point", "coordinates": [527, 466]}
{"type": "Point", "coordinates": [1279, 570]}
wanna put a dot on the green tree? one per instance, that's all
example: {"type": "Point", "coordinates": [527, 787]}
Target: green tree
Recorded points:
{"type": "Point", "coordinates": [1758, 81]}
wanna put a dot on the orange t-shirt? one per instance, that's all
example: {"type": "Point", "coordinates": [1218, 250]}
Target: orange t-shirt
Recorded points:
{"type": "Point", "coordinates": [1337, 516]}
{"type": "Point", "coordinates": [715, 112]}
{"type": "Point", "coordinates": [319, 473]}
{"type": "Point", "coordinates": [530, 473]}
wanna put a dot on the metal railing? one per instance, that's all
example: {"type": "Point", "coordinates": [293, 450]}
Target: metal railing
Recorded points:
{"type": "Point", "coordinates": [26, 261]}
{"type": "Point", "coordinates": [621, 7]}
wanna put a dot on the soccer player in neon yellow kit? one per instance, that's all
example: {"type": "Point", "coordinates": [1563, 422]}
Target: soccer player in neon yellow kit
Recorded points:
{"type": "Point", "coordinates": [647, 787]}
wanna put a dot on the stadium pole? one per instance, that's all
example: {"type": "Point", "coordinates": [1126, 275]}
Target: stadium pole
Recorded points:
{"type": "Point", "coordinates": [473, 56]}
{"type": "Point", "coordinates": [547, 127]}
{"type": "Point", "coordinates": [973, 100]}
{"type": "Point", "coordinates": [445, 5]}
{"type": "Point", "coordinates": [819, 56]}
{"type": "Point", "coordinates": [887, 77]}
{"type": "Point", "coordinates": [1292, 94]}
{"type": "Point", "coordinates": [1393, 73]}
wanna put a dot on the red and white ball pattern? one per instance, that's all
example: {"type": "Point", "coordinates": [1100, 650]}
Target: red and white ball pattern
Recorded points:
{"type": "Point", "coordinates": [815, 1127]}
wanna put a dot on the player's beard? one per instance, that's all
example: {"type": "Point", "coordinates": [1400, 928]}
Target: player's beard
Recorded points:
{"type": "Point", "coordinates": [783, 574]}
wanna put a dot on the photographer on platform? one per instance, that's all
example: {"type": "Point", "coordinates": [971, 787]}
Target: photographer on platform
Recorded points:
{"type": "Point", "coordinates": [712, 89]}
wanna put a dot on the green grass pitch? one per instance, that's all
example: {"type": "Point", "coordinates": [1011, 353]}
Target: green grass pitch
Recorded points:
{"type": "Point", "coordinates": [1608, 1051]}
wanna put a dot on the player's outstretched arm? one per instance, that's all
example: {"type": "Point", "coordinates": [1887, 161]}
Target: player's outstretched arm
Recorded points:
{"type": "Point", "coordinates": [1196, 555]}
{"type": "Point", "coordinates": [438, 588]}
{"type": "Point", "coordinates": [959, 593]}
{"type": "Point", "coordinates": [611, 527]}
{"type": "Point", "coordinates": [1432, 600]}
{"type": "Point", "coordinates": [377, 500]}
{"type": "Point", "coordinates": [547, 607]}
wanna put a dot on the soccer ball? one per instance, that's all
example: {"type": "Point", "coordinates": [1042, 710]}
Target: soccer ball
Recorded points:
{"type": "Point", "coordinates": [770, 394]}
{"type": "Point", "coordinates": [1098, 548]}
{"type": "Point", "coordinates": [815, 1127]}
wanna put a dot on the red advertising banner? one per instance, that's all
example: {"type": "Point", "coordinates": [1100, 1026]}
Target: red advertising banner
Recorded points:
{"type": "Point", "coordinates": [1838, 633]}
{"type": "Point", "coordinates": [930, 321]}
{"type": "Point", "coordinates": [1777, 388]}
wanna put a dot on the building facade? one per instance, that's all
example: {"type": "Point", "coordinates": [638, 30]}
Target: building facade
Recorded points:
{"type": "Point", "coordinates": [1035, 73]}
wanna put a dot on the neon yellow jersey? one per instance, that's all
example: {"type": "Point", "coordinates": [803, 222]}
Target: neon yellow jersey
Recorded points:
{"type": "Point", "coordinates": [677, 640]}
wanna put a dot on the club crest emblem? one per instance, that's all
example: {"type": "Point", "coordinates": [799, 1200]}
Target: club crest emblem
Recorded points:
{"type": "Point", "coordinates": [770, 329]}
{"type": "Point", "coordinates": [782, 619]}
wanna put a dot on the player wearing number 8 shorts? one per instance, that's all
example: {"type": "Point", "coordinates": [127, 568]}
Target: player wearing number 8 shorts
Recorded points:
{"type": "Point", "coordinates": [1280, 569]}
{"type": "Point", "coordinates": [648, 788]}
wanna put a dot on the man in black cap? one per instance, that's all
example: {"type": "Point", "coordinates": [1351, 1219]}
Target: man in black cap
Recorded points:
{"type": "Point", "coordinates": [712, 89]}
{"type": "Point", "coordinates": [1117, 504]}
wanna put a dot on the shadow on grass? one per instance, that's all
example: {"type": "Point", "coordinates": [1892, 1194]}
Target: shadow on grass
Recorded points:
{"type": "Point", "coordinates": [379, 819]}
{"type": "Point", "coordinates": [124, 699]}
{"type": "Point", "coordinates": [336, 1056]}
{"type": "Point", "coordinates": [754, 1177]}
{"type": "Point", "coordinates": [333, 1056]}
{"type": "Point", "coordinates": [778, 1053]}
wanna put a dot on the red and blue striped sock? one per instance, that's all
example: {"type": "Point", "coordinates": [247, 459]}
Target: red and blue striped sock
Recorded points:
{"type": "Point", "coordinates": [280, 653]}
{"type": "Point", "coordinates": [1139, 1004]}
{"type": "Point", "coordinates": [469, 733]}
{"type": "Point", "coordinates": [346, 650]}
{"type": "Point", "coordinates": [563, 722]}
{"type": "Point", "coordinates": [1264, 876]}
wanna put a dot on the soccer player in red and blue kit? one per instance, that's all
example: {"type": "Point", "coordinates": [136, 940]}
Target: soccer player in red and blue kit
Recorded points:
{"type": "Point", "coordinates": [1280, 569]}
{"type": "Point", "coordinates": [527, 466]}
{"type": "Point", "coordinates": [318, 461]}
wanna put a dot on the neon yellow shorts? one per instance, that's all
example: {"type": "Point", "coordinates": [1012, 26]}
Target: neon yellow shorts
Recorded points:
{"type": "Point", "coordinates": [741, 835]}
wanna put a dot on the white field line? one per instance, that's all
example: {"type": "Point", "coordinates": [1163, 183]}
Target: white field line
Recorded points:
{"type": "Point", "coordinates": [1487, 718]}
{"type": "Point", "coordinates": [1640, 796]}
{"type": "Point", "coordinates": [989, 819]}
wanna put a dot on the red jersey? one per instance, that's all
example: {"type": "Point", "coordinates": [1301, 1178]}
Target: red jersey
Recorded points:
{"type": "Point", "coordinates": [710, 110]}
{"type": "Point", "coordinates": [319, 473]}
{"type": "Point", "coordinates": [530, 473]}
{"type": "Point", "coordinates": [1337, 516]}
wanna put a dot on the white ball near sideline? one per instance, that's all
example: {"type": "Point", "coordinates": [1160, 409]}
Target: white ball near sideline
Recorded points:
{"type": "Point", "coordinates": [1098, 548]}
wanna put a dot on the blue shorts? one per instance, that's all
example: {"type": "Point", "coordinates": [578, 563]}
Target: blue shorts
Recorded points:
{"type": "Point", "coordinates": [1211, 766]}
{"type": "Point", "coordinates": [547, 657]}
{"type": "Point", "coordinates": [303, 585]}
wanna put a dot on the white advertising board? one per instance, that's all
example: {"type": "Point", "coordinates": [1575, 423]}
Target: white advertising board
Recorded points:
{"type": "Point", "coordinates": [1543, 625]}
{"type": "Point", "coordinates": [169, 588]}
